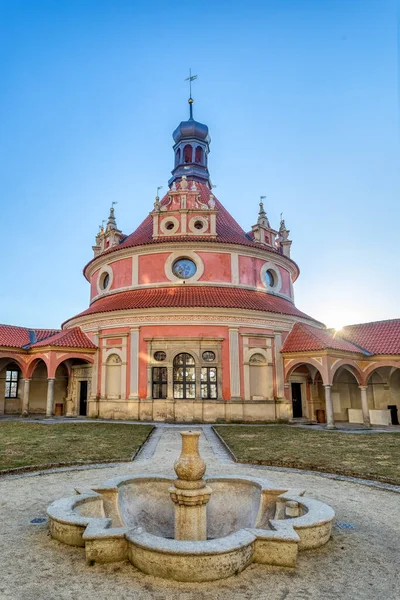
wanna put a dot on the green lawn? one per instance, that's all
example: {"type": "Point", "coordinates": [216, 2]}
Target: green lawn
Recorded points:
{"type": "Point", "coordinates": [371, 456]}
{"type": "Point", "coordinates": [27, 444]}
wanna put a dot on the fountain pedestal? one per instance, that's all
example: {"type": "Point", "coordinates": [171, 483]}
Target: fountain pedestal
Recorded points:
{"type": "Point", "coordinates": [190, 493]}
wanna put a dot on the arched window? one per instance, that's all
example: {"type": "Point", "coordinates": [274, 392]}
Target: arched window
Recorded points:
{"type": "Point", "coordinates": [113, 376]}
{"type": "Point", "coordinates": [184, 376]}
{"type": "Point", "coordinates": [187, 153]}
{"type": "Point", "coordinates": [198, 156]}
{"type": "Point", "coordinates": [177, 157]}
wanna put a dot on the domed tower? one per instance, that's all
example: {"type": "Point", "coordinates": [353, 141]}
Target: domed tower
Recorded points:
{"type": "Point", "coordinates": [189, 311]}
{"type": "Point", "coordinates": [191, 148]}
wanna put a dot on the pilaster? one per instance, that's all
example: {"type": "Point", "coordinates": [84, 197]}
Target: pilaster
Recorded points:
{"type": "Point", "coordinates": [134, 364]}
{"type": "Point", "coordinates": [234, 365]}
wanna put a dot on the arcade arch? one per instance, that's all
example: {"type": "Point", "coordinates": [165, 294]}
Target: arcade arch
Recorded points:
{"type": "Point", "coordinates": [306, 392]}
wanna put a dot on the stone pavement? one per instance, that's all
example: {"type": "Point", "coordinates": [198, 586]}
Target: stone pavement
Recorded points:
{"type": "Point", "coordinates": [359, 563]}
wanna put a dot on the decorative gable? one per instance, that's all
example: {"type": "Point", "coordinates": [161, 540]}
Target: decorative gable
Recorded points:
{"type": "Point", "coordinates": [185, 212]}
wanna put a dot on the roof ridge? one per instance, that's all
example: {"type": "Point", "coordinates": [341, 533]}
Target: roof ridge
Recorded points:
{"type": "Point", "coordinates": [371, 323]}
{"type": "Point", "coordinates": [307, 326]}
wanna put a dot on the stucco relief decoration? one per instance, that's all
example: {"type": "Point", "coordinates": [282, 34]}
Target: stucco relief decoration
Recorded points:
{"type": "Point", "coordinates": [165, 206]}
{"type": "Point", "coordinates": [257, 359]}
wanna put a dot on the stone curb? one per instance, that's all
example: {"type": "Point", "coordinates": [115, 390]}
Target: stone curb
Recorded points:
{"type": "Point", "coordinates": [73, 465]}
{"type": "Point", "coordinates": [389, 487]}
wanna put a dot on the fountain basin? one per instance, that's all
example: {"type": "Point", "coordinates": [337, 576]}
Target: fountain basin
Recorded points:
{"type": "Point", "coordinates": [248, 520]}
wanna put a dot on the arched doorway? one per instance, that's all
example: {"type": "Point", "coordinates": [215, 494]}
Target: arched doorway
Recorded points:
{"type": "Point", "coordinates": [184, 376]}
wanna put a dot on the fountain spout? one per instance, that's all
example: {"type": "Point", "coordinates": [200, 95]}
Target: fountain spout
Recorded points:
{"type": "Point", "coordinates": [190, 493]}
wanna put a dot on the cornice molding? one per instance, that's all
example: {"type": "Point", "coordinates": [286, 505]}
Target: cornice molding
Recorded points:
{"type": "Point", "coordinates": [191, 316]}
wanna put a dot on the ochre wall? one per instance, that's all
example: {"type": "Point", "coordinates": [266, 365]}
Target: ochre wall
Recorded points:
{"type": "Point", "coordinates": [151, 268]}
{"type": "Point", "coordinates": [93, 284]}
{"type": "Point", "coordinates": [217, 267]}
{"type": "Point", "coordinates": [122, 273]}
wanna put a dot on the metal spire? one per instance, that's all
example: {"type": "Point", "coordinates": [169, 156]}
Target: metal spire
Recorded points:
{"type": "Point", "coordinates": [190, 79]}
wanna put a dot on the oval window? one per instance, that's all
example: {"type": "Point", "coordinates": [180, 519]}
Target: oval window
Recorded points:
{"type": "Point", "coordinates": [105, 281]}
{"type": "Point", "coordinates": [184, 268]}
{"type": "Point", "coordinates": [270, 278]}
{"type": "Point", "coordinates": [208, 356]}
{"type": "Point", "coordinates": [160, 356]}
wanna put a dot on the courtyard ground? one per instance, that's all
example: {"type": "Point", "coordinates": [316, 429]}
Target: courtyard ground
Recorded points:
{"type": "Point", "coordinates": [358, 563]}
{"type": "Point", "coordinates": [366, 455]}
{"type": "Point", "coordinates": [27, 444]}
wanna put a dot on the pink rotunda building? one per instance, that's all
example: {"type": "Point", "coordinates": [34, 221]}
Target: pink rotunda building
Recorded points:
{"type": "Point", "coordinates": [192, 319]}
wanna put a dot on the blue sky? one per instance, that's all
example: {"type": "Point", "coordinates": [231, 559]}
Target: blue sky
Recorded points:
{"type": "Point", "coordinates": [301, 98]}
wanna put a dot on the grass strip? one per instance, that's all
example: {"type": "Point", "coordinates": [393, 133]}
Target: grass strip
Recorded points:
{"type": "Point", "coordinates": [28, 444]}
{"type": "Point", "coordinates": [366, 455]}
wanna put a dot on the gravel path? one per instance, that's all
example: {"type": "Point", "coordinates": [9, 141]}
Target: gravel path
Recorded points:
{"type": "Point", "coordinates": [359, 563]}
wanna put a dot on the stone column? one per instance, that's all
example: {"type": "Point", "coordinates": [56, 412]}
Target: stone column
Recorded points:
{"type": "Point", "coordinates": [364, 405]}
{"type": "Point", "coordinates": [50, 397]}
{"type": "Point", "coordinates": [25, 400]}
{"type": "Point", "coordinates": [330, 423]}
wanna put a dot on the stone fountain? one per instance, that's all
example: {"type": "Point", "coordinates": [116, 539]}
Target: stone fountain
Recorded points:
{"type": "Point", "coordinates": [191, 528]}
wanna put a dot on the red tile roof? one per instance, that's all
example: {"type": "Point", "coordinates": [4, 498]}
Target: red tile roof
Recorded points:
{"type": "Point", "coordinates": [228, 230]}
{"type": "Point", "coordinates": [305, 338]}
{"type": "Point", "coordinates": [12, 336]}
{"type": "Point", "coordinates": [68, 338]}
{"type": "Point", "coordinates": [377, 337]}
{"type": "Point", "coordinates": [194, 296]}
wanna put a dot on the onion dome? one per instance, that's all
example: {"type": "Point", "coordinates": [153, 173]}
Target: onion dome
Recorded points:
{"type": "Point", "coordinates": [191, 129]}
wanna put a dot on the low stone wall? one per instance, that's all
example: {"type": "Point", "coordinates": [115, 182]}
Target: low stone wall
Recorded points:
{"type": "Point", "coordinates": [192, 411]}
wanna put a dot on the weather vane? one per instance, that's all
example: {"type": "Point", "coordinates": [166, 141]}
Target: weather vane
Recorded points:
{"type": "Point", "coordinates": [112, 203]}
{"type": "Point", "coordinates": [190, 79]}
{"type": "Point", "coordinates": [160, 187]}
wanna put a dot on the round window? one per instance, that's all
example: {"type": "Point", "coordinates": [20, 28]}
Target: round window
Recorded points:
{"type": "Point", "coordinates": [184, 268]}
{"type": "Point", "coordinates": [160, 356]}
{"type": "Point", "coordinates": [208, 356]}
{"type": "Point", "coordinates": [105, 281]}
{"type": "Point", "coordinates": [270, 278]}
